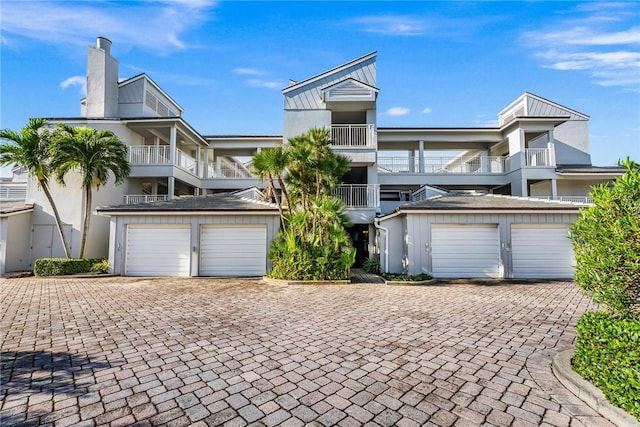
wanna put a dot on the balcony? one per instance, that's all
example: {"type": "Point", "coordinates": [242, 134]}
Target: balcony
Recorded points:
{"type": "Point", "coordinates": [353, 136]}
{"type": "Point", "coordinates": [537, 157]}
{"type": "Point", "coordinates": [443, 165]}
{"type": "Point", "coordinates": [573, 199]}
{"type": "Point", "coordinates": [359, 196]}
{"type": "Point", "coordinates": [132, 199]}
{"type": "Point", "coordinates": [13, 191]}
{"type": "Point", "coordinates": [225, 168]}
{"type": "Point", "coordinates": [160, 155]}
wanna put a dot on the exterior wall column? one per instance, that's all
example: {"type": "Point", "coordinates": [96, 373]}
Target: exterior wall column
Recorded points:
{"type": "Point", "coordinates": [551, 148]}
{"type": "Point", "coordinates": [172, 145]}
{"type": "Point", "coordinates": [412, 161]}
{"type": "Point", "coordinates": [553, 186]}
{"type": "Point", "coordinates": [205, 164]}
{"type": "Point", "coordinates": [156, 144]}
{"type": "Point", "coordinates": [197, 171]}
{"type": "Point", "coordinates": [171, 187]}
{"type": "Point", "coordinates": [421, 156]}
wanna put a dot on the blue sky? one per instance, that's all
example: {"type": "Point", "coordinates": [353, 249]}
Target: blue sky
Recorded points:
{"type": "Point", "coordinates": [440, 64]}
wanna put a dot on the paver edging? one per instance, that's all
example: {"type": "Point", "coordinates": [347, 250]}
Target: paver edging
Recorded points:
{"type": "Point", "coordinates": [284, 282]}
{"type": "Point", "coordinates": [410, 282]}
{"type": "Point", "coordinates": [587, 392]}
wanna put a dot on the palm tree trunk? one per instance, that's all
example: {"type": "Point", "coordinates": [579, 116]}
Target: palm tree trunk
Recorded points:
{"type": "Point", "coordinates": [56, 214]}
{"type": "Point", "coordinates": [284, 191]}
{"type": "Point", "coordinates": [87, 218]}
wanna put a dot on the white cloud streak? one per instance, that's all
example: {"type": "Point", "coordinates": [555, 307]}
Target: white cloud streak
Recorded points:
{"type": "Point", "coordinates": [75, 81]}
{"type": "Point", "coordinates": [426, 110]}
{"type": "Point", "coordinates": [398, 111]}
{"type": "Point", "coordinates": [603, 40]}
{"type": "Point", "coordinates": [247, 71]}
{"type": "Point", "coordinates": [269, 84]}
{"type": "Point", "coordinates": [155, 26]}
{"type": "Point", "coordinates": [394, 25]}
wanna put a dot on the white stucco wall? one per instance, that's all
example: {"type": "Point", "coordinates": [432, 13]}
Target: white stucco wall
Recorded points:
{"type": "Point", "coordinates": [14, 242]}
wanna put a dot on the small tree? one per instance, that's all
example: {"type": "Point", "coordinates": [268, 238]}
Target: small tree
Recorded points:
{"type": "Point", "coordinates": [29, 149]}
{"type": "Point", "coordinates": [312, 243]}
{"type": "Point", "coordinates": [606, 239]}
{"type": "Point", "coordinates": [96, 154]}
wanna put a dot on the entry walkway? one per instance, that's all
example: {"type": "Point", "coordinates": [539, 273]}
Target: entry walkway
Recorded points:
{"type": "Point", "coordinates": [197, 351]}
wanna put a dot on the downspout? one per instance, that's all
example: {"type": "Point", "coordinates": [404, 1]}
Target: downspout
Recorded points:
{"type": "Point", "coordinates": [376, 223]}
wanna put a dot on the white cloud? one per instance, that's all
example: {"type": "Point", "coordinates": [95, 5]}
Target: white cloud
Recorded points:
{"type": "Point", "coordinates": [602, 40]}
{"type": "Point", "coordinates": [425, 110]}
{"type": "Point", "coordinates": [75, 81]}
{"type": "Point", "coordinates": [398, 111]}
{"type": "Point", "coordinates": [270, 84]}
{"type": "Point", "coordinates": [394, 25]}
{"type": "Point", "coordinates": [151, 25]}
{"type": "Point", "coordinates": [247, 71]}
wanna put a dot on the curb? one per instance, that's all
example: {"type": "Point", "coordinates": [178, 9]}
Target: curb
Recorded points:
{"type": "Point", "coordinates": [410, 283]}
{"type": "Point", "coordinates": [587, 392]}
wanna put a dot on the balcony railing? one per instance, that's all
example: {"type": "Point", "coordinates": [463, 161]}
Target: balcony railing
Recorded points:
{"type": "Point", "coordinates": [131, 199]}
{"type": "Point", "coordinates": [353, 136]}
{"type": "Point", "coordinates": [160, 155]}
{"type": "Point", "coordinates": [359, 195]}
{"type": "Point", "coordinates": [537, 157]}
{"type": "Point", "coordinates": [225, 168]}
{"type": "Point", "coordinates": [473, 165]}
{"type": "Point", "coordinates": [574, 199]}
{"type": "Point", "coordinates": [13, 191]}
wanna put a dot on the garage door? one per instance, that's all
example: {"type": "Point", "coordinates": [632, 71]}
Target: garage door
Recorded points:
{"type": "Point", "coordinates": [233, 251]}
{"type": "Point", "coordinates": [542, 251]}
{"type": "Point", "coordinates": [158, 251]}
{"type": "Point", "coordinates": [465, 250]}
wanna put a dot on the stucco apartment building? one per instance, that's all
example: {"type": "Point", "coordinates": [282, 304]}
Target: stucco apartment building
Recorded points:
{"type": "Point", "coordinates": [453, 202]}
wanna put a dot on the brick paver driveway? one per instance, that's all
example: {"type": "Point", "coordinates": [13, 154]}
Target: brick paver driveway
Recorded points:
{"type": "Point", "coordinates": [200, 351]}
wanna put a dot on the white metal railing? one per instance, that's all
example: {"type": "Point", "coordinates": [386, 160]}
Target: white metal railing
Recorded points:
{"type": "Point", "coordinates": [13, 191]}
{"type": "Point", "coordinates": [149, 155]}
{"type": "Point", "coordinates": [359, 195]}
{"type": "Point", "coordinates": [353, 136]}
{"type": "Point", "coordinates": [131, 199]}
{"type": "Point", "coordinates": [537, 157]}
{"type": "Point", "coordinates": [185, 161]}
{"type": "Point", "coordinates": [575, 199]}
{"type": "Point", "coordinates": [470, 165]}
{"type": "Point", "coordinates": [225, 168]}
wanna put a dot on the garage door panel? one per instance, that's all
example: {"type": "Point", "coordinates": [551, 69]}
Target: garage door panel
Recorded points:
{"type": "Point", "coordinates": [465, 250]}
{"type": "Point", "coordinates": [158, 251]}
{"type": "Point", "coordinates": [542, 251]}
{"type": "Point", "coordinates": [233, 251]}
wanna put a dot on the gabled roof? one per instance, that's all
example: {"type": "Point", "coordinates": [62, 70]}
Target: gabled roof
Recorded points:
{"type": "Point", "coordinates": [327, 73]}
{"type": "Point", "coordinates": [146, 77]}
{"type": "Point", "coordinates": [216, 203]}
{"type": "Point", "coordinates": [532, 105]}
{"type": "Point", "coordinates": [488, 202]}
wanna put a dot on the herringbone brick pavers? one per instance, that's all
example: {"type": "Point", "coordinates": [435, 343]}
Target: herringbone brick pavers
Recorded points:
{"type": "Point", "coordinates": [174, 352]}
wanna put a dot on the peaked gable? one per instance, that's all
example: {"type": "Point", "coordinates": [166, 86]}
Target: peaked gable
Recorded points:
{"type": "Point", "coordinates": [308, 94]}
{"type": "Point", "coordinates": [349, 89]}
{"type": "Point", "coordinates": [531, 105]}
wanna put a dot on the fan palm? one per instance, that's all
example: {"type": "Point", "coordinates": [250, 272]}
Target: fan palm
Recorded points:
{"type": "Point", "coordinates": [29, 149]}
{"type": "Point", "coordinates": [96, 154]}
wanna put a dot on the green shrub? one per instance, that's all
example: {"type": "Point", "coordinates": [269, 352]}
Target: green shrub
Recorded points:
{"type": "Point", "coordinates": [606, 239]}
{"type": "Point", "coordinates": [64, 266]}
{"type": "Point", "coordinates": [371, 265]}
{"type": "Point", "coordinates": [399, 277]}
{"type": "Point", "coordinates": [608, 354]}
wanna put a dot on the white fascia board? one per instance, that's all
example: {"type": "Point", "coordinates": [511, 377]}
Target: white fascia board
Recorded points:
{"type": "Point", "coordinates": [184, 213]}
{"type": "Point", "coordinates": [496, 211]}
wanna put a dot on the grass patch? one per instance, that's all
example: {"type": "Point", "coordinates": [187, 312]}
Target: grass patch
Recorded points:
{"type": "Point", "coordinates": [608, 355]}
{"type": "Point", "coordinates": [396, 277]}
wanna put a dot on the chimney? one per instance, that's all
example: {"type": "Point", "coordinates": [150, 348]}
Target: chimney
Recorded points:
{"type": "Point", "coordinates": [102, 80]}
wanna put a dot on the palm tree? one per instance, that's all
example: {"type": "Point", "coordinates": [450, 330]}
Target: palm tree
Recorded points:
{"type": "Point", "coordinates": [29, 149]}
{"type": "Point", "coordinates": [96, 154]}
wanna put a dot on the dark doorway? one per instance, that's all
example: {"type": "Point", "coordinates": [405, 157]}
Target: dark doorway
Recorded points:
{"type": "Point", "coordinates": [360, 237]}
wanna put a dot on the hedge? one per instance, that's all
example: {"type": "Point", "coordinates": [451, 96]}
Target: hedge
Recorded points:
{"type": "Point", "coordinates": [64, 266]}
{"type": "Point", "coordinates": [608, 354]}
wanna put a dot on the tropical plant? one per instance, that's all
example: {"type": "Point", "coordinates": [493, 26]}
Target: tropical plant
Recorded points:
{"type": "Point", "coordinates": [29, 149]}
{"type": "Point", "coordinates": [96, 154]}
{"type": "Point", "coordinates": [606, 239]}
{"type": "Point", "coordinates": [312, 243]}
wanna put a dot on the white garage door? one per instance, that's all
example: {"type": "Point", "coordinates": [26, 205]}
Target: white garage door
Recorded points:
{"type": "Point", "coordinates": [233, 251]}
{"type": "Point", "coordinates": [158, 250]}
{"type": "Point", "coordinates": [542, 251]}
{"type": "Point", "coordinates": [465, 250]}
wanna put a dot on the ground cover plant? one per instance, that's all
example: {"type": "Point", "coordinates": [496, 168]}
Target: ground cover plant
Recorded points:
{"type": "Point", "coordinates": [400, 277]}
{"type": "Point", "coordinates": [65, 266]}
{"type": "Point", "coordinates": [606, 240]}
